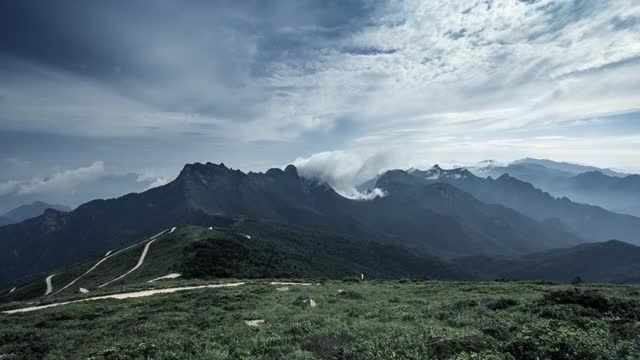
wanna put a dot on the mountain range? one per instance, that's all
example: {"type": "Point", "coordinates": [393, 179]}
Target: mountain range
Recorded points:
{"type": "Point", "coordinates": [424, 222]}
{"type": "Point", "coordinates": [591, 223]}
{"type": "Point", "coordinates": [612, 190]}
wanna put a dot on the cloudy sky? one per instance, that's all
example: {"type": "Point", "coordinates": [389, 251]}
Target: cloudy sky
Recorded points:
{"type": "Point", "coordinates": [99, 98]}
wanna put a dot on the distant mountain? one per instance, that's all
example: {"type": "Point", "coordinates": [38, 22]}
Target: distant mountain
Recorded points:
{"type": "Point", "coordinates": [489, 229]}
{"type": "Point", "coordinates": [5, 221]}
{"type": "Point", "coordinates": [619, 194]}
{"type": "Point", "coordinates": [424, 219]}
{"type": "Point", "coordinates": [108, 186]}
{"type": "Point", "coordinates": [588, 222]}
{"type": "Point", "coordinates": [611, 190]}
{"type": "Point", "coordinates": [611, 261]}
{"type": "Point", "coordinates": [565, 167]}
{"type": "Point", "coordinates": [29, 211]}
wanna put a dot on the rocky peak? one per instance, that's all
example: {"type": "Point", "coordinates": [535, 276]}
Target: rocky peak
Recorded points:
{"type": "Point", "coordinates": [204, 169]}
{"type": "Point", "coordinates": [291, 171]}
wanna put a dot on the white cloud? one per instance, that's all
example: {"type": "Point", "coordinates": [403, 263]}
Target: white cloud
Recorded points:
{"type": "Point", "coordinates": [61, 182]}
{"type": "Point", "coordinates": [157, 182]}
{"type": "Point", "coordinates": [344, 171]}
{"type": "Point", "coordinates": [8, 187]}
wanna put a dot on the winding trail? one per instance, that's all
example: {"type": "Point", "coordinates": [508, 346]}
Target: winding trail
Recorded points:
{"type": "Point", "coordinates": [140, 261]}
{"type": "Point", "coordinates": [49, 285]}
{"type": "Point", "coordinates": [107, 256]}
{"type": "Point", "coordinates": [129, 295]}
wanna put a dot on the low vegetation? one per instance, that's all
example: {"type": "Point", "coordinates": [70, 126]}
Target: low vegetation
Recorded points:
{"type": "Point", "coordinates": [406, 319]}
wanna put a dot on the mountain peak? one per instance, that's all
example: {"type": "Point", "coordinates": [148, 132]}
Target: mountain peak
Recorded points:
{"type": "Point", "coordinates": [199, 167]}
{"type": "Point", "coordinates": [291, 170]}
{"type": "Point", "coordinates": [436, 173]}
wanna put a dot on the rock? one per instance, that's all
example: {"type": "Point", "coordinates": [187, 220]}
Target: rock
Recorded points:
{"type": "Point", "coordinates": [312, 303]}
{"type": "Point", "coordinates": [284, 288]}
{"type": "Point", "coordinates": [83, 290]}
{"type": "Point", "coordinates": [254, 323]}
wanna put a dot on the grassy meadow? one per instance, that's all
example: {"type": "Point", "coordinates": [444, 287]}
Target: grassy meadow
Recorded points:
{"type": "Point", "coordinates": [351, 320]}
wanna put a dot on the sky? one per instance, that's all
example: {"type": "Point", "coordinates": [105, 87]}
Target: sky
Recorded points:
{"type": "Point", "coordinates": [98, 99]}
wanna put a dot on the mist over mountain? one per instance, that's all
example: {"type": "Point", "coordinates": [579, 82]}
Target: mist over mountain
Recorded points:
{"type": "Point", "coordinates": [567, 167]}
{"type": "Point", "coordinates": [614, 191]}
{"type": "Point", "coordinates": [589, 222]}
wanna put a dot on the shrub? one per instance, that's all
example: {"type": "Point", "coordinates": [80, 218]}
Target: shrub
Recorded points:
{"type": "Point", "coordinates": [327, 347]}
{"type": "Point", "coordinates": [350, 294]}
{"type": "Point", "coordinates": [502, 304]}
{"type": "Point", "coordinates": [587, 298]}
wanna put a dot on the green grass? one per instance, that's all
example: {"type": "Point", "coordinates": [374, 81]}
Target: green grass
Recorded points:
{"type": "Point", "coordinates": [353, 320]}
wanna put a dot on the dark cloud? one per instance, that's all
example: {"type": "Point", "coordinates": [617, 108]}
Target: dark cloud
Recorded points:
{"type": "Point", "coordinates": [212, 53]}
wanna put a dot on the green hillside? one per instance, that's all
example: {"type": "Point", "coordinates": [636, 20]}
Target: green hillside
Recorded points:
{"type": "Point", "coordinates": [247, 249]}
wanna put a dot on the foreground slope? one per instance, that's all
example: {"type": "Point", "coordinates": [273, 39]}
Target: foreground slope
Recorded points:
{"type": "Point", "coordinates": [350, 320]}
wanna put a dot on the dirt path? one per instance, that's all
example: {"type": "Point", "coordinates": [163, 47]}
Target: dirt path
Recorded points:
{"type": "Point", "coordinates": [137, 294]}
{"type": "Point", "coordinates": [140, 262]}
{"type": "Point", "coordinates": [49, 285]}
{"type": "Point", "coordinates": [288, 283]}
{"type": "Point", "coordinates": [107, 256]}
{"type": "Point", "coordinates": [170, 276]}
{"type": "Point", "coordinates": [128, 295]}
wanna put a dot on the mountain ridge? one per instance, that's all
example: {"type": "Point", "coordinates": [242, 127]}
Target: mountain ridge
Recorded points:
{"type": "Point", "coordinates": [214, 195]}
{"type": "Point", "coordinates": [587, 221]}
{"type": "Point", "coordinates": [609, 261]}
{"type": "Point", "coordinates": [614, 191]}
